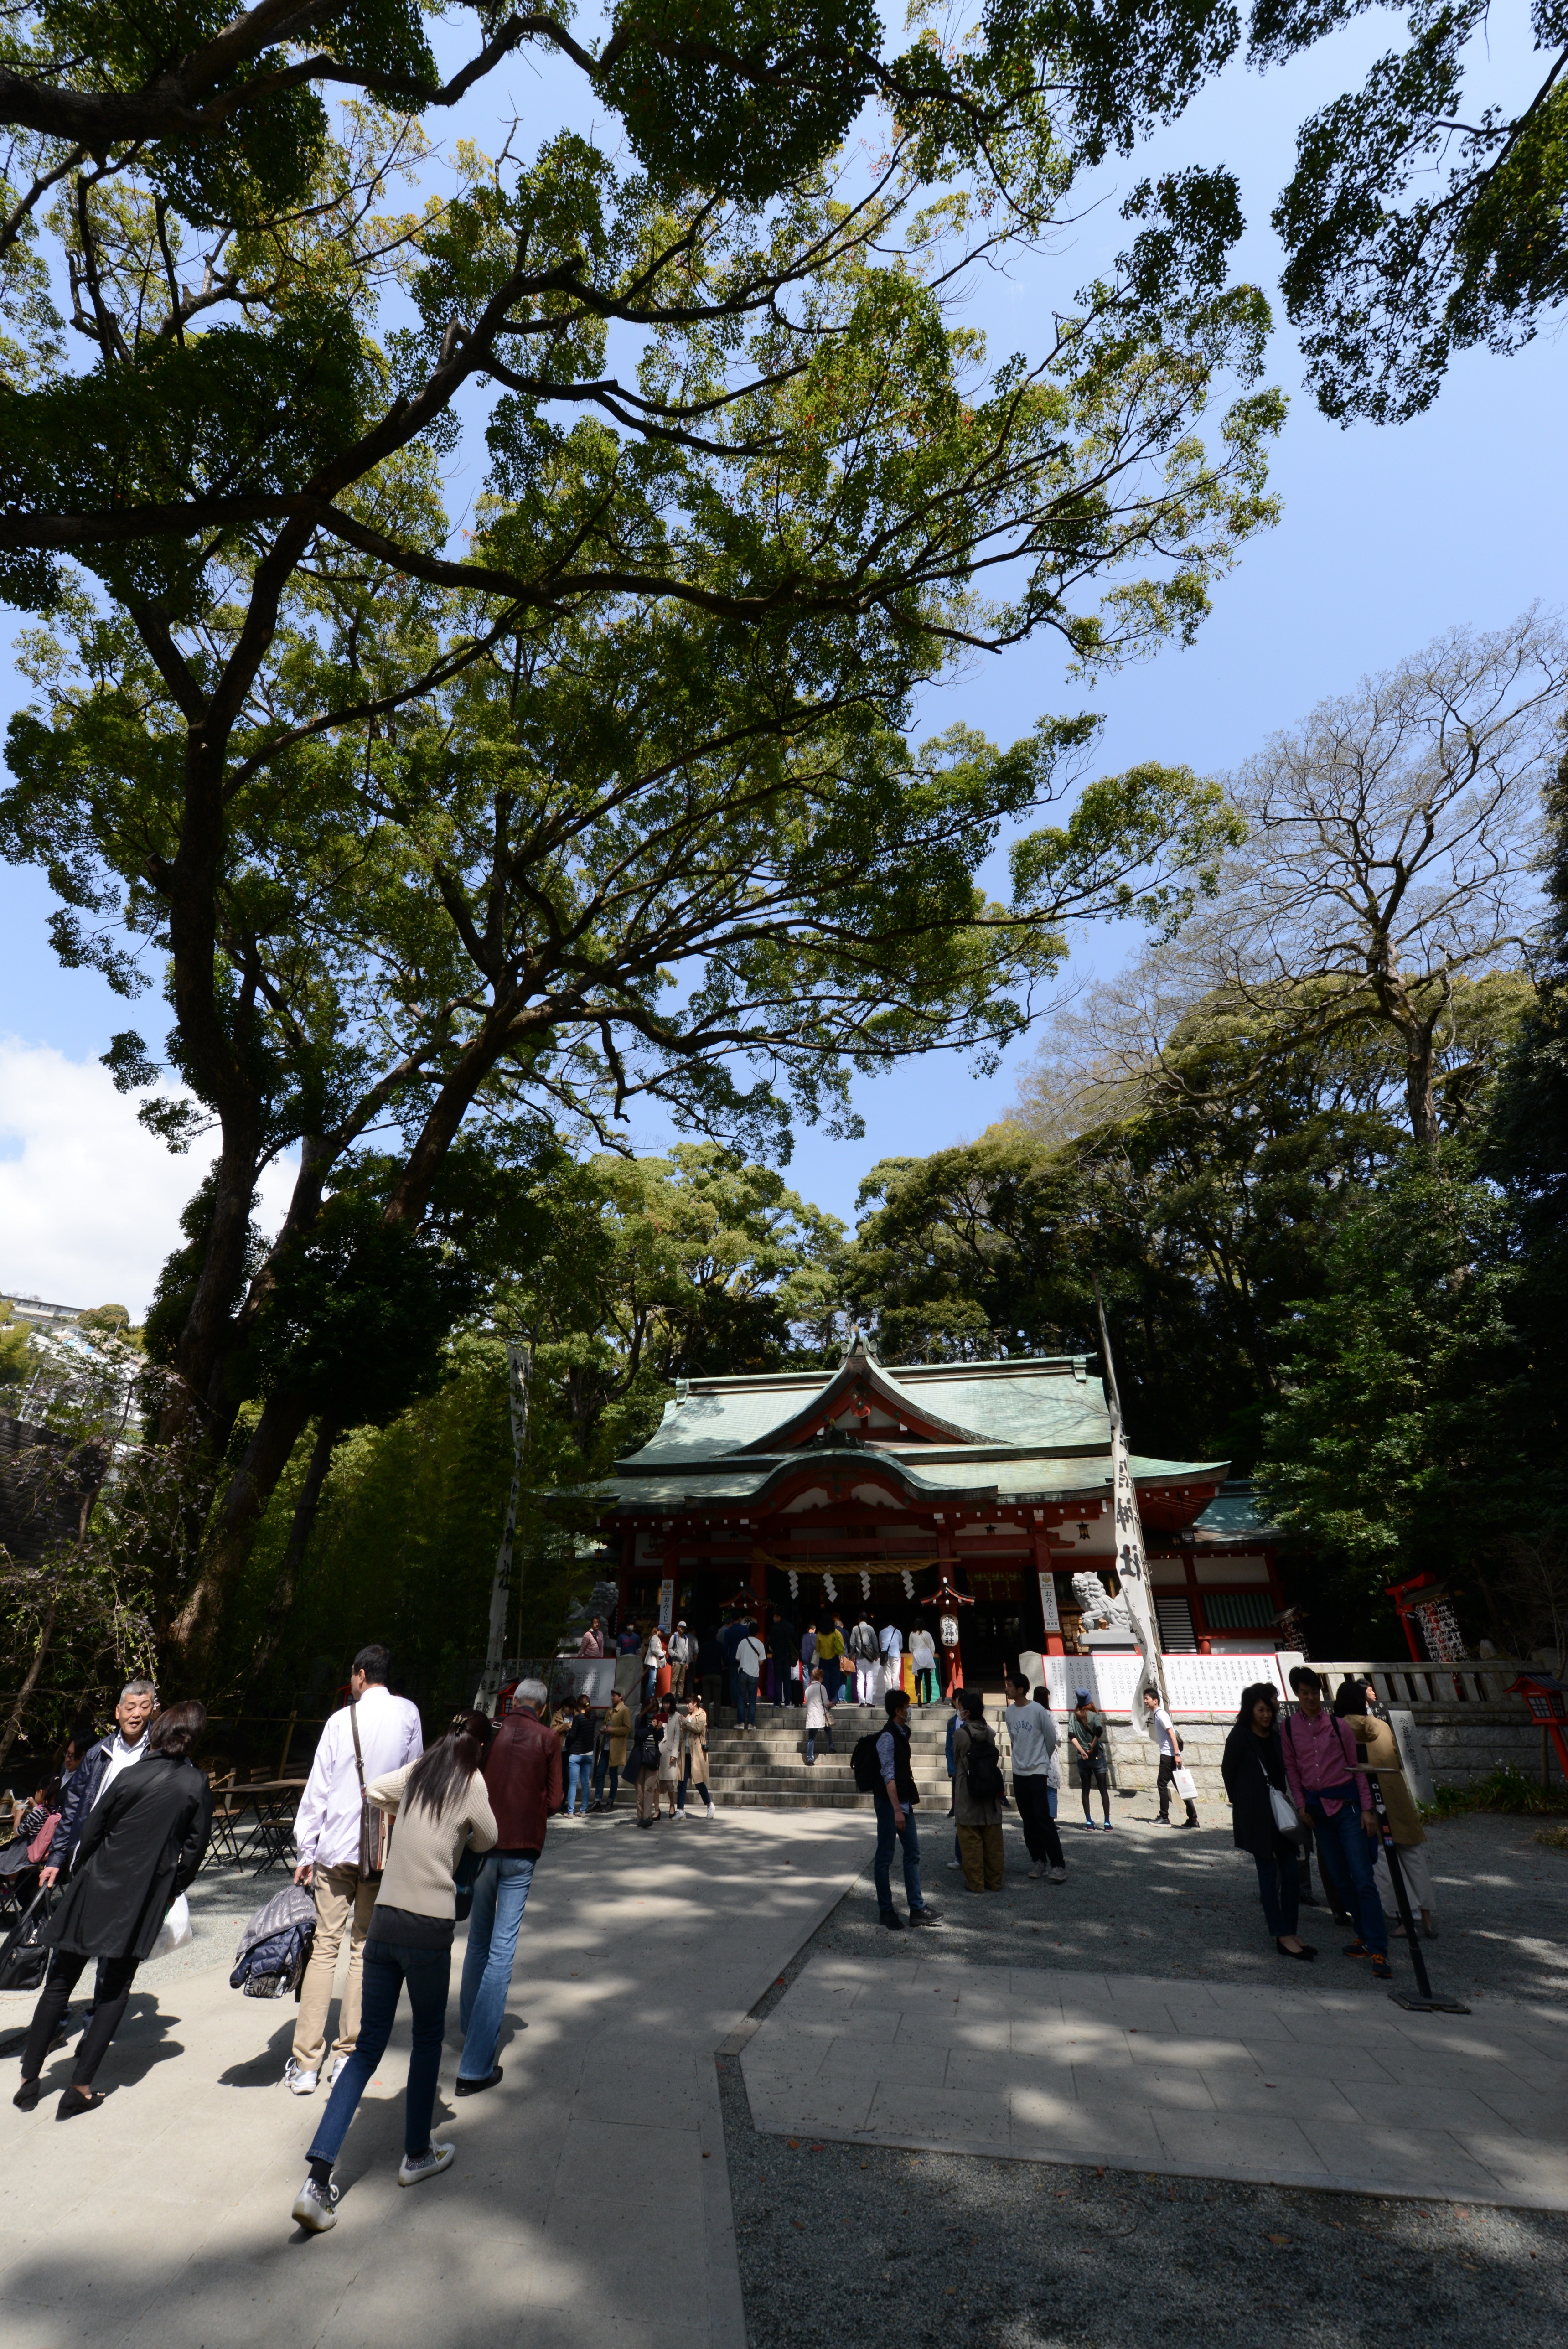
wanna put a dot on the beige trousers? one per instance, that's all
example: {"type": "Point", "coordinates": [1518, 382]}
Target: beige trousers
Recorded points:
{"type": "Point", "coordinates": [344, 1899]}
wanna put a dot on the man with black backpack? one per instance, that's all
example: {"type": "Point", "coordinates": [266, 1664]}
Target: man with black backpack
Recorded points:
{"type": "Point", "coordinates": [885, 1769]}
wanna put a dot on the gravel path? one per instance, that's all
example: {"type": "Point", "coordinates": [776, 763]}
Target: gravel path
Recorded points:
{"type": "Point", "coordinates": [895, 2247]}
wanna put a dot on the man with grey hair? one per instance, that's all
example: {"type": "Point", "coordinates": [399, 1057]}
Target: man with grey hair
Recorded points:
{"type": "Point", "coordinates": [522, 1778]}
{"type": "Point", "coordinates": [125, 1744]}
{"type": "Point", "coordinates": [373, 1734]}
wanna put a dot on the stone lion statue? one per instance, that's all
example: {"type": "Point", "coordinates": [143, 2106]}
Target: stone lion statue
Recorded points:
{"type": "Point", "coordinates": [1100, 1611]}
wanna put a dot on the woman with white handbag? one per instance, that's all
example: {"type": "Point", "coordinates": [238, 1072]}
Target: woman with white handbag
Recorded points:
{"type": "Point", "coordinates": [1263, 1817]}
{"type": "Point", "coordinates": [141, 1847]}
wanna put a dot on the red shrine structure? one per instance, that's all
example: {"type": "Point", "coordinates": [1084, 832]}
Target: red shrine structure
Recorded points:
{"type": "Point", "coordinates": [817, 1492]}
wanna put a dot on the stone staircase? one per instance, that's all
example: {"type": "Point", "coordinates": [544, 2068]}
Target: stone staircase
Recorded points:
{"type": "Point", "coordinates": [765, 1768]}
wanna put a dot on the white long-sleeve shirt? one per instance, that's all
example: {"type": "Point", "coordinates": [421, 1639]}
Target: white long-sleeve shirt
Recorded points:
{"type": "Point", "coordinates": [327, 1829]}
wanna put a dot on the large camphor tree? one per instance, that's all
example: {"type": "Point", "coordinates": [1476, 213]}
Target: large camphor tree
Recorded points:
{"type": "Point", "coordinates": [443, 836]}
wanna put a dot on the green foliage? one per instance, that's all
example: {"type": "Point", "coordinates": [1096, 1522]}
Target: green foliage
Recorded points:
{"type": "Point", "coordinates": [1504, 1789]}
{"type": "Point", "coordinates": [15, 1347]}
{"type": "Point", "coordinates": [1397, 1444]}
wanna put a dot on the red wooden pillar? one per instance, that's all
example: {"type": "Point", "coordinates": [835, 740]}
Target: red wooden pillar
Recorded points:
{"type": "Point", "coordinates": [952, 1658]}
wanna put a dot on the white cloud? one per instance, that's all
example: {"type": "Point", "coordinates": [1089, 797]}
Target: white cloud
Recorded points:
{"type": "Point", "coordinates": [89, 1202]}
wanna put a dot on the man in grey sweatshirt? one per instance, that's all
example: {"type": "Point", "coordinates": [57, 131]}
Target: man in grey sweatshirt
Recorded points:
{"type": "Point", "coordinates": [1032, 1733]}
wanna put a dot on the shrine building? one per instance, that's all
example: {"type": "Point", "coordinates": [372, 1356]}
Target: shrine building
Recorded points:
{"type": "Point", "coordinates": [811, 1491]}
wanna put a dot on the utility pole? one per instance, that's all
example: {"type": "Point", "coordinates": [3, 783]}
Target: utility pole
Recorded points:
{"type": "Point", "coordinates": [520, 1370]}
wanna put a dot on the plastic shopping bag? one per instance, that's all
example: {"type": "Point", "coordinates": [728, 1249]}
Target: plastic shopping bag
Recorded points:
{"type": "Point", "coordinates": [176, 1930]}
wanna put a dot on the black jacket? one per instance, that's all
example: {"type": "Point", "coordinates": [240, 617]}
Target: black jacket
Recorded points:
{"type": "Point", "coordinates": [1250, 1765]}
{"type": "Point", "coordinates": [142, 1844]}
{"type": "Point", "coordinates": [80, 1797]}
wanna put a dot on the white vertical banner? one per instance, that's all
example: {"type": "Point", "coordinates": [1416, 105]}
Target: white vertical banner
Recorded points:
{"type": "Point", "coordinates": [667, 1605]}
{"type": "Point", "coordinates": [1131, 1564]}
{"type": "Point", "coordinates": [1048, 1601]}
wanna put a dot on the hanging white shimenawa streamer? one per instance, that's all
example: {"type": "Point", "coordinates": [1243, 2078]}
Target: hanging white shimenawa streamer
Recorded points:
{"type": "Point", "coordinates": [865, 1586]}
{"type": "Point", "coordinates": [1131, 1562]}
{"type": "Point", "coordinates": [794, 1584]}
{"type": "Point", "coordinates": [908, 1583]}
{"type": "Point", "coordinates": [830, 1587]}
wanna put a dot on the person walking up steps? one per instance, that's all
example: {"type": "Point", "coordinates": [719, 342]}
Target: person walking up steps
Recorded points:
{"type": "Point", "coordinates": [977, 1791]}
{"type": "Point", "coordinates": [750, 1655]}
{"type": "Point", "coordinates": [441, 1808]}
{"type": "Point", "coordinates": [866, 1655]}
{"type": "Point", "coordinates": [373, 1734]}
{"type": "Point", "coordinates": [819, 1714]}
{"type": "Point", "coordinates": [1032, 1733]}
{"type": "Point", "coordinates": [1163, 1735]}
{"type": "Point", "coordinates": [1085, 1737]}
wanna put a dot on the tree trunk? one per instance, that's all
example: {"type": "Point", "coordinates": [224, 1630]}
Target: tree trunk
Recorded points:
{"type": "Point", "coordinates": [194, 1634]}
{"type": "Point", "coordinates": [304, 1515]}
{"type": "Point", "coordinates": [13, 1728]}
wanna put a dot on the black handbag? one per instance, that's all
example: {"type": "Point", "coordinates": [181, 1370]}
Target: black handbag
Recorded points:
{"type": "Point", "coordinates": [23, 1958]}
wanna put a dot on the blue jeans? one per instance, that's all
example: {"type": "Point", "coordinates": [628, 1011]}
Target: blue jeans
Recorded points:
{"type": "Point", "coordinates": [388, 1966]}
{"type": "Point", "coordinates": [1279, 1888]}
{"type": "Point", "coordinates": [1352, 1849]}
{"type": "Point", "coordinates": [500, 1895]}
{"type": "Point", "coordinates": [1052, 1792]}
{"type": "Point", "coordinates": [746, 1700]}
{"type": "Point", "coordinates": [825, 1734]}
{"type": "Point", "coordinates": [579, 1781]}
{"type": "Point", "coordinates": [881, 1870]}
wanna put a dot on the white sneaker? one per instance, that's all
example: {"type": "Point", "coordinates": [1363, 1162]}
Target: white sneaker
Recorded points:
{"type": "Point", "coordinates": [301, 2082]}
{"type": "Point", "coordinates": [1058, 1876]}
{"type": "Point", "coordinates": [334, 2068]}
{"type": "Point", "coordinates": [315, 2206]}
{"type": "Point", "coordinates": [1036, 1869]}
{"type": "Point", "coordinates": [425, 2164]}
{"type": "Point", "coordinates": [955, 1863]}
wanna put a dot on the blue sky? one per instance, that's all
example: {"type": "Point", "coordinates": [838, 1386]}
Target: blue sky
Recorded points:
{"type": "Point", "coordinates": [1388, 536]}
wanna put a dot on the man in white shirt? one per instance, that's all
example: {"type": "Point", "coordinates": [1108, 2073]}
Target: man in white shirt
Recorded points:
{"type": "Point", "coordinates": [327, 1841]}
{"type": "Point", "coordinates": [1161, 1730]}
{"type": "Point", "coordinates": [1032, 1735]}
{"type": "Point", "coordinates": [750, 1655]}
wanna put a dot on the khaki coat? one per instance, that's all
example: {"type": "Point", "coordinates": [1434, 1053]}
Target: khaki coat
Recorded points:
{"type": "Point", "coordinates": [1383, 1757]}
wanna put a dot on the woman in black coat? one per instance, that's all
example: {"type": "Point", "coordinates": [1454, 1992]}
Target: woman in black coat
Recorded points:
{"type": "Point", "coordinates": [142, 1844]}
{"type": "Point", "coordinates": [1252, 1762]}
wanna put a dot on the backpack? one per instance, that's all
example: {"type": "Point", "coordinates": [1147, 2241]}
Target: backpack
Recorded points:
{"type": "Point", "coordinates": [983, 1772]}
{"type": "Point", "coordinates": [648, 1752]}
{"type": "Point", "coordinates": [864, 1765]}
{"type": "Point", "coordinates": [863, 1643]}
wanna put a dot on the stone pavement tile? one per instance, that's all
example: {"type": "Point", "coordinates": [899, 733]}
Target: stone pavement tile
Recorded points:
{"type": "Point", "coordinates": [1038, 2108]}
{"type": "Point", "coordinates": [849, 2058]}
{"type": "Point", "coordinates": [1241, 2089]}
{"type": "Point", "coordinates": [1377, 2161]}
{"type": "Point", "coordinates": [1226, 2144]}
{"type": "Point", "coordinates": [1539, 2117]}
{"type": "Point", "coordinates": [1438, 2105]}
{"type": "Point", "coordinates": [1527, 2172]}
{"type": "Point", "coordinates": [552, 2328]}
{"type": "Point", "coordinates": [986, 2074]}
{"type": "Point", "coordinates": [873, 2026]}
{"type": "Point", "coordinates": [912, 2112]}
{"type": "Point", "coordinates": [1181, 2091]}
{"type": "Point", "coordinates": [920, 2029]}
{"type": "Point", "coordinates": [1343, 2059]}
{"type": "Point", "coordinates": [1171, 2051]}
{"type": "Point", "coordinates": [1085, 2132]}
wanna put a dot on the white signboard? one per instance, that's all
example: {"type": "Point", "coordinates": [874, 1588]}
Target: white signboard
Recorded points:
{"type": "Point", "coordinates": [1048, 1602]}
{"type": "Point", "coordinates": [667, 1605]}
{"type": "Point", "coordinates": [1195, 1684]}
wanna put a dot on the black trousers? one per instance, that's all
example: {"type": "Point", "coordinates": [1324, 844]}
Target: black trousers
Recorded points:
{"type": "Point", "coordinates": [1089, 1780]}
{"type": "Point", "coordinates": [1033, 1798]}
{"type": "Point", "coordinates": [65, 1966]}
{"type": "Point", "coordinates": [1168, 1767]}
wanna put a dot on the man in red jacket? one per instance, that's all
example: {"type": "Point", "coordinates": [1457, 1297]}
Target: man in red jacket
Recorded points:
{"type": "Point", "coordinates": [522, 1778]}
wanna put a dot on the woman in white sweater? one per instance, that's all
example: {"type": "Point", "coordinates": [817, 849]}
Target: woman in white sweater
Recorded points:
{"type": "Point", "coordinates": [442, 1809]}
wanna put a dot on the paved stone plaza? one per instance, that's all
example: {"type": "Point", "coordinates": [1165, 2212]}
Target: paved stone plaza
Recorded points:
{"type": "Point", "coordinates": [600, 2191]}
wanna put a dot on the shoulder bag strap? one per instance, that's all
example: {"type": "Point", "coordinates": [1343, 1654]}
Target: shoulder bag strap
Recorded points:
{"type": "Point", "coordinates": [373, 1824]}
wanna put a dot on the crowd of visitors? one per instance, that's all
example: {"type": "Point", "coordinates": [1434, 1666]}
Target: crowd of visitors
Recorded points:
{"type": "Point", "coordinates": [397, 1840]}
